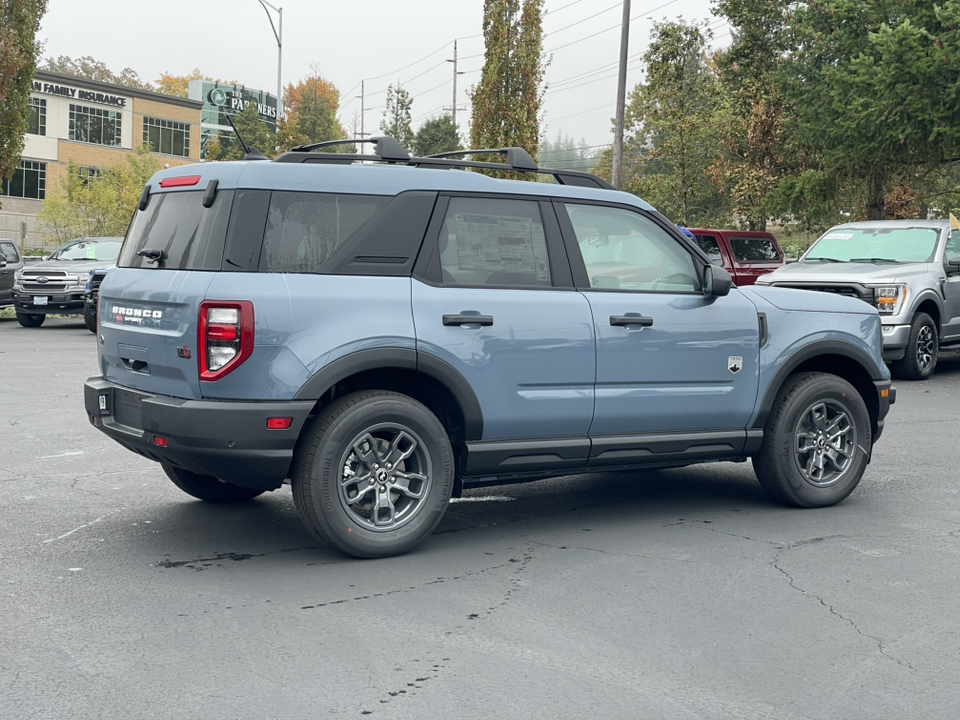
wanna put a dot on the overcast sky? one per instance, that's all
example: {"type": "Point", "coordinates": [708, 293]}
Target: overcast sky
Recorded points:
{"type": "Point", "coordinates": [378, 41]}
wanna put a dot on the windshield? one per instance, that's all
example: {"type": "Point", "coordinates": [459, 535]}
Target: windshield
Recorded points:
{"type": "Point", "coordinates": [876, 245]}
{"type": "Point", "coordinates": [90, 250]}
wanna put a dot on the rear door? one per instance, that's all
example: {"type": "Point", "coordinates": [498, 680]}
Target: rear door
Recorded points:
{"type": "Point", "coordinates": [9, 253]}
{"type": "Point", "coordinates": [493, 300]}
{"type": "Point", "coordinates": [149, 308]}
{"type": "Point", "coordinates": [754, 254]}
{"type": "Point", "coordinates": [951, 290]}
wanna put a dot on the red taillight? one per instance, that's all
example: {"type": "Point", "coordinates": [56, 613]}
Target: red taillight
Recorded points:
{"type": "Point", "coordinates": [225, 336]}
{"type": "Point", "coordinates": [159, 441]}
{"type": "Point", "coordinates": [183, 181]}
{"type": "Point", "coordinates": [279, 423]}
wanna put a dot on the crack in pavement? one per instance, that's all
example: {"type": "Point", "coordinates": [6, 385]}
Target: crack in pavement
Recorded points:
{"type": "Point", "coordinates": [776, 565]}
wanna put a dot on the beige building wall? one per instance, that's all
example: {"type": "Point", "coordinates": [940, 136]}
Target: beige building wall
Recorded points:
{"type": "Point", "coordinates": [176, 113]}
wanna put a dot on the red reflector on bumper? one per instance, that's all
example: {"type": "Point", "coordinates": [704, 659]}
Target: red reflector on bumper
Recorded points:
{"type": "Point", "coordinates": [160, 441]}
{"type": "Point", "coordinates": [279, 423]}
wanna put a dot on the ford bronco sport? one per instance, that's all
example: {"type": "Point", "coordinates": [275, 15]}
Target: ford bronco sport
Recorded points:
{"type": "Point", "coordinates": [383, 330]}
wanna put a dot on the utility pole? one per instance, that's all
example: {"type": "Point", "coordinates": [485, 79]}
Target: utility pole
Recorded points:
{"type": "Point", "coordinates": [362, 133]}
{"type": "Point", "coordinates": [621, 97]}
{"type": "Point", "coordinates": [453, 108]}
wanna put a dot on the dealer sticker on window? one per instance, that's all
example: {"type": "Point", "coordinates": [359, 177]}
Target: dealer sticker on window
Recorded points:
{"type": "Point", "coordinates": [838, 236]}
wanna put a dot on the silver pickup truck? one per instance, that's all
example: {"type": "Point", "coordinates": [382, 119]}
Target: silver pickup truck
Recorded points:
{"type": "Point", "coordinates": [908, 269]}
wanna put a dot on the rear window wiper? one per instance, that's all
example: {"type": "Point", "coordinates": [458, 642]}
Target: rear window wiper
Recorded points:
{"type": "Point", "coordinates": [876, 261]}
{"type": "Point", "coordinates": [823, 259]}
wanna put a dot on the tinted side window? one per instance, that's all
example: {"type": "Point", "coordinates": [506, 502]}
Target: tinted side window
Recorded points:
{"type": "Point", "coordinates": [9, 252]}
{"type": "Point", "coordinates": [494, 242]}
{"type": "Point", "coordinates": [708, 243]}
{"type": "Point", "coordinates": [305, 229]}
{"type": "Point", "coordinates": [754, 249]}
{"type": "Point", "coordinates": [623, 250]}
{"type": "Point", "coordinates": [190, 235]}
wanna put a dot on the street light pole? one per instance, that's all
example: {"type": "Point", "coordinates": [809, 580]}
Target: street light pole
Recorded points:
{"type": "Point", "coordinates": [279, 36]}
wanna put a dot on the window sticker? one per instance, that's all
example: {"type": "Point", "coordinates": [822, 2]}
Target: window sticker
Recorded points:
{"type": "Point", "coordinates": [838, 236]}
{"type": "Point", "coordinates": [501, 243]}
{"type": "Point", "coordinates": [91, 252]}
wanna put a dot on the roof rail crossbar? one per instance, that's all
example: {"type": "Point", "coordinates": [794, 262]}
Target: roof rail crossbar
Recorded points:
{"type": "Point", "coordinates": [387, 148]}
{"type": "Point", "coordinates": [563, 177]}
{"type": "Point", "coordinates": [517, 158]}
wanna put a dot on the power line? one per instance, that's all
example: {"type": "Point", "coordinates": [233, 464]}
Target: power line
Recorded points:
{"type": "Point", "coordinates": [587, 73]}
{"type": "Point", "coordinates": [589, 17]}
{"type": "Point", "coordinates": [564, 7]}
{"type": "Point", "coordinates": [589, 82]}
{"type": "Point", "coordinates": [613, 27]}
{"type": "Point", "coordinates": [583, 112]}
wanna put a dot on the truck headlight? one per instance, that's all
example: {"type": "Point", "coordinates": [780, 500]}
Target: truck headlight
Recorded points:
{"type": "Point", "coordinates": [889, 298]}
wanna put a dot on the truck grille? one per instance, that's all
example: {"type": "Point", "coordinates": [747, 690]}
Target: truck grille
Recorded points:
{"type": "Point", "coordinates": [854, 290]}
{"type": "Point", "coordinates": [54, 280]}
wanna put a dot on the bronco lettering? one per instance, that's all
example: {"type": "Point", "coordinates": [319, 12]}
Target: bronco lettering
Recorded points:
{"type": "Point", "coordinates": [136, 313]}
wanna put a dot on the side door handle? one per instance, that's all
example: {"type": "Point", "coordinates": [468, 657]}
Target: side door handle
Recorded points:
{"type": "Point", "coordinates": [453, 320]}
{"type": "Point", "coordinates": [631, 319]}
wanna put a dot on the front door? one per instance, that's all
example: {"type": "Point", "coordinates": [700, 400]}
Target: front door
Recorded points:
{"type": "Point", "coordinates": [671, 362]}
{"type": "Point", "coordinates": [493, 300]}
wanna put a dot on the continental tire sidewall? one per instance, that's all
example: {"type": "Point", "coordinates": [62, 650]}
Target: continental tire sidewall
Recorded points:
{"type": "Point", "coordinates": [779, 461]}
{"type": "Point", "coordinates": [323, 476]}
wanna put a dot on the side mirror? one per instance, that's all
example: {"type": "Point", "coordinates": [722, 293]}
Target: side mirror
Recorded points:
{"type": "Point", "coordinates": [716, 281]}
{"type": "Point", "coordinates": [3, 262]}
{"type": "Point", "coordinates": [952, 263]}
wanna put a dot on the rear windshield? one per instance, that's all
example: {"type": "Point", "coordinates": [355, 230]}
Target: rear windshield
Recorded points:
{"type": "Point", "coordinates": [9, 252]}
{"type": "Point", "coordinates": [754, 249]}
{"type": "Point", "coordinates": [190, 236]}
{"type": "Point", "coordinates": [879, 244]}
{"type": "Point", "coordinates": [304, 230]}
{"type": "Point", "coordinates": [101, 250]}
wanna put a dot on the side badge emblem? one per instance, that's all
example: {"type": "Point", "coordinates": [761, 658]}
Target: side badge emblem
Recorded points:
{"type": "Point", "coordinates": [735, 363]}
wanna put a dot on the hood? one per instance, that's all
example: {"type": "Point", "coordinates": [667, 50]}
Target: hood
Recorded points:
{"type": "Point", "coordinates": [791, 299]}
{"type": "Point", "coordinates": [843, 272]}
{"type": "Point", "coordinates": [79, 267]}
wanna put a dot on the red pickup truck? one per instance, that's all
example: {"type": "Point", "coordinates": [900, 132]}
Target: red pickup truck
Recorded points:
{"type": "Point", "coordinates": [745, 255]}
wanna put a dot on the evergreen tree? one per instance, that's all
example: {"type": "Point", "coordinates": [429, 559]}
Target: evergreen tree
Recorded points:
{"type": "Point", "coordinates": [396, 116]}
{"type": "Point", "coordinates": [437, 135]}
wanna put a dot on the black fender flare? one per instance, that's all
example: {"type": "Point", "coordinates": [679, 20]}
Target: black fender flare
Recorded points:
{"type": "Point", "coordinates": [403, 359]}
{"type": "Point", "coordinates": [819, 347]}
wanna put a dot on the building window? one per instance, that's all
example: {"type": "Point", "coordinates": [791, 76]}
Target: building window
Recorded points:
{"type": "Point", "coordinates": [29, 181]}
{"type": "Point", "coordinates": [87, 174]}
{"type": "Point", "coordinates": [37, 117]}
{"type": "Point", "coordinates": [94, 125]}
{"type": "Point", "coordinates": [166, 136]}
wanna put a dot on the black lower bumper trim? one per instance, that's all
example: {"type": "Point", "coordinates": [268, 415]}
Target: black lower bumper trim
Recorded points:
{"type": "Point", "coordinates": [228, 440]}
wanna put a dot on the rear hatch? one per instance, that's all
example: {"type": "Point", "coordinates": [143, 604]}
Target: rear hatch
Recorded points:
{"type": "Point", "coordinates": [149, 305]}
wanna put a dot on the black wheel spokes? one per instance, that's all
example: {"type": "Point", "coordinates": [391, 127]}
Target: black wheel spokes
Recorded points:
{"type": "Point", "coordinates": [384, 477]}
{"type": "Point", "coordinates": [825, 443]}
{"type": "Point", "coordinates": [926, 347]}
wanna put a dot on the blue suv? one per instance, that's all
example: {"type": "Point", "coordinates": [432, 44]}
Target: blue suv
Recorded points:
{"type": "Point", "coordinates": [383, 330]}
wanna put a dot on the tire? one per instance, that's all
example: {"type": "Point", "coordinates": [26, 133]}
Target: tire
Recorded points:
{"type": "Point", "coordinates": [90, 319]}
{"type": "Point", "coordinates": [345, 475]}
{"type": "Point", "coordinates": [208, 488]}
{"type": "Point", "coordinates": [920, 357]}
{"type": "Point", "coordinates": [809, 407]}
{"type": "Point", "coordinates": [30, 319]}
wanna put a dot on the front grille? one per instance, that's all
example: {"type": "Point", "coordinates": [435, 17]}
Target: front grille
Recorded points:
{"type": "Point", "coordinates": [95, 281]}
{"type": "Point", "coordinates": [854, 290]}
{"type": "Point", "coordinates": [44, 287]}
{"type": "Point", "coordinates": [56, 281]}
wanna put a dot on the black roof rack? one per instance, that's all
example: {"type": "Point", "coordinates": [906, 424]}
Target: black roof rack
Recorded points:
{"type": "Point", "coordinates": [390, 151]}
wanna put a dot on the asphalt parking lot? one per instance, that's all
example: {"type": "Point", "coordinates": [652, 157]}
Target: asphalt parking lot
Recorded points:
{"type": "Point", "coordinates": [667, 594]}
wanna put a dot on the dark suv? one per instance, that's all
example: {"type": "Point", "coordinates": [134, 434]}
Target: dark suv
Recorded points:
{"type": "Point", "coordinates": [384, 330]}
{"type": "Point", "coordinates": [11, 261]}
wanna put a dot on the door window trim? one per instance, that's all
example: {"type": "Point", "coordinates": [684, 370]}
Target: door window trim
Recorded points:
{"type": "Point", "coordinates": [427, 267]}
{"type": "Point", "coordinates": [579, 268]}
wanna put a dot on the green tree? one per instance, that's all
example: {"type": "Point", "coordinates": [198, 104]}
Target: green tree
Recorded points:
{"type": "Point", "coordinates": [311, 108]}
{"type": "Point", "coordinates": [93, 69]}
{"type": "Point", "coordinates": [672, 134]}
{"type": "Point", "coordinates": [564, 153]}
{"type": "Point", "coordinates": [396, 116]}
{"type": "Point", "coordinates": [874, 87]}
{"type": "Point", "coordinates": [752, 113]}
{"type": "Point", "coordinates": [506, 103]}
{"type": "Point", "coordinates": [19, 24]}
{"type": "Point", "coordinates": [100, 204]}
{"type": "Point", "coordinates": [437, 135]}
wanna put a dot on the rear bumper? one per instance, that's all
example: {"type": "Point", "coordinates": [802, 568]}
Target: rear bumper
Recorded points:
{"type": "Point", "coordinates": [886, 396]}
{"type": "Point", "coordinates": [228, 440]}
